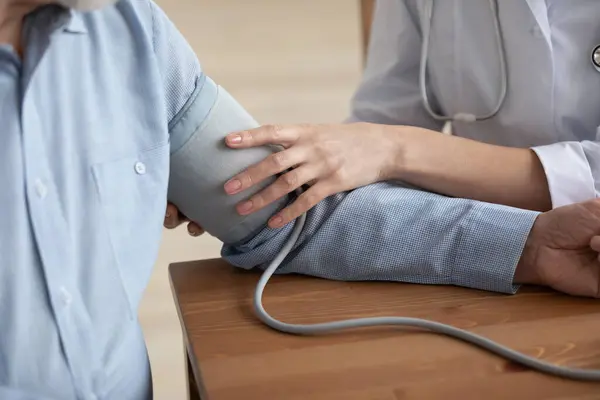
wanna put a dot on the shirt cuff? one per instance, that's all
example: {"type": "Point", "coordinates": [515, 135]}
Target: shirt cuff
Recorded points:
{"type": "Point", "coordinates": [491, 247]}
{"type": "Point", "coordinates": [568, 172]}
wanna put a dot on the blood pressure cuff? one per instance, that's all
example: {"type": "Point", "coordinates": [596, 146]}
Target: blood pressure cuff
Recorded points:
{"type": "Point", "coordinates": [201, 163]}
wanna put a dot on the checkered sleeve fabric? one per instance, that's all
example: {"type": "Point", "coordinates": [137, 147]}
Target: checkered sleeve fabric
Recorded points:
{"type": "Point", "coordinates": [390, 232]}
{"type": "Point", "coordinates": [177, 62]}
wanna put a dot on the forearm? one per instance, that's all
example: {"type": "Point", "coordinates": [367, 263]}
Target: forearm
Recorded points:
{"type": "Point", "coordinates": [392, 233]}
{"type": "Point", "coordinates": [466, 168]}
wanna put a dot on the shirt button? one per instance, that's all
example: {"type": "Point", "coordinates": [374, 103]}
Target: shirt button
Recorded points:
{"type": "Point", "coordinates": [65, 296]}
{"type": "Point", "coordinates": [140, 168]}
{"type": "Point", "coordinates": [537, 32]}
{"type": "Point", "coordinates": [40, 189]}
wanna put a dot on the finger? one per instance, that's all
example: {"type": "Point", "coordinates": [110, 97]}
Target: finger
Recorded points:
{"type": "Point", "coordinates": [173, 218]}
{"type": "Point", "coordinates": [284, 135]}
{"type": "Point", "coordinates": [274, 164]}
{"type": "Point", "coordinates": [285, 184]}
{"type": "Point", "coordinates": [595, 243]}
{"type": "Point", "coordinates": [303, 203]}
{"type": "Point", "coordinates": [194, 229]}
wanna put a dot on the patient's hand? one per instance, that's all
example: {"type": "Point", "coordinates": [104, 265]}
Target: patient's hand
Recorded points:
{"type": "Point", "coordinates": [562, 250]}
{"type": "Point", "coordinates": [173, 218]}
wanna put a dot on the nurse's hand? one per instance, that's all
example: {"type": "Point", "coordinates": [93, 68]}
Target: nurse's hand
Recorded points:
{"type": "Point", "coordinates": [328, 158]}
{"type": "Point", "coordinates": [173, 218]}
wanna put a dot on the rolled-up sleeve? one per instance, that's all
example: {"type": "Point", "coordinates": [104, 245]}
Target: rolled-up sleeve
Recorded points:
{"type": "Point", "coordinates": [388, 232]}
{"type": "Point", "coordinates": [185, 85]}
{"type": "Point", "coordinates": [572, 171]}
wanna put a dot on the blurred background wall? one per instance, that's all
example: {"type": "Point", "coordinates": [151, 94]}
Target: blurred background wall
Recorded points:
{"type": "Point", "coordinates": [286, 61]}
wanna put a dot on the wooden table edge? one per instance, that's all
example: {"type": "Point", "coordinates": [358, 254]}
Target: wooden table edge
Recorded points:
{"type": "Point", "coordinates": [191, 362]}
{"type": "Point", "coordinates": [176, 270]}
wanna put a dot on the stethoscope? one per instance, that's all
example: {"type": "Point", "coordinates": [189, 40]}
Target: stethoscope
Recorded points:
{"type": "Point", "coordinates": [596, 58]}
{"type": "Point", "coordinates": [463, 116]}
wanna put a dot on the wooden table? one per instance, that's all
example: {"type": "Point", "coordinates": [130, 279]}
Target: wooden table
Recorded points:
{"type": "Point", "coordinates": [232, 356]}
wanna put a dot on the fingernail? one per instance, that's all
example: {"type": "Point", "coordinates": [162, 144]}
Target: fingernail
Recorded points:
{"type": "Point", "coordinates": [234, 139]}
{"type": "Point", "coordinates": [194, 232]}
{"type": "Point", "coordinates": [233, 185]}
{"type": "Point", "coordinates": [276, 221]}
{"type": "Point", "coordinates": [167, 215]}
{"type": "Point", "coordinates": [245, 207]}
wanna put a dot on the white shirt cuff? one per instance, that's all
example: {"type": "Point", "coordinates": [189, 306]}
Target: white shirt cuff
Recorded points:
{"type": "Point", "coordinates": [570, 178]}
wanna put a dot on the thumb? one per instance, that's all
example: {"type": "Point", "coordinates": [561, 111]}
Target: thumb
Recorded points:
{"type": "Point", "coordinates": [595, 243]}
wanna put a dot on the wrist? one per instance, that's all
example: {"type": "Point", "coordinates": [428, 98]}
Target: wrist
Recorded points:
{"type": "Point", "coordinates": [527, 271]}
{"type": "Point", "coordinates": [402, 151]}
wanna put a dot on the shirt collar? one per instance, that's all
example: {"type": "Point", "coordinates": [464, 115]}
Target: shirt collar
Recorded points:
{"type": "Point", "coordinates": [75, 23]}
{"type": "Point", "coordinates": [54, 18]}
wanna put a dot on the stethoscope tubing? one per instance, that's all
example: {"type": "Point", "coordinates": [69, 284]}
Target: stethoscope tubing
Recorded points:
{"type": "Point", "coordinates": [462, 116]}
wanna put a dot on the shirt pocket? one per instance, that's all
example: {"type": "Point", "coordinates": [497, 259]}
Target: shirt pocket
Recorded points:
{"type": "Point", "coordinates": [132, 193]}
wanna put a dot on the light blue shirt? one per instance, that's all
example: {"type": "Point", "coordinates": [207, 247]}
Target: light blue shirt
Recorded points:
{"type": "Point", "coordinates": [89, 120]}
{"type": "Point", "coordinates": [84, 168]}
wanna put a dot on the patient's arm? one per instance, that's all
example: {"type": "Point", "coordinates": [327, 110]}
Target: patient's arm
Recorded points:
{"type": "Point", "coordinates": [383, 231]}
{"type": "Point", "coordinates": [389, 232]}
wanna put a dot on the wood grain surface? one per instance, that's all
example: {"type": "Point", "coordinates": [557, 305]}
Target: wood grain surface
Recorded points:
{"type": "Point", "coordinates": [233, 356]}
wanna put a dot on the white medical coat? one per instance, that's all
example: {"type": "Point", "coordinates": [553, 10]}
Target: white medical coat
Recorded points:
{"type": "Point", "coordinates": [553, 99]}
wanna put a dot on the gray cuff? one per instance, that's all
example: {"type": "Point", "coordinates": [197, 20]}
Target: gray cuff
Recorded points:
{"type": "Point", "coordinates": [201, 164]}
